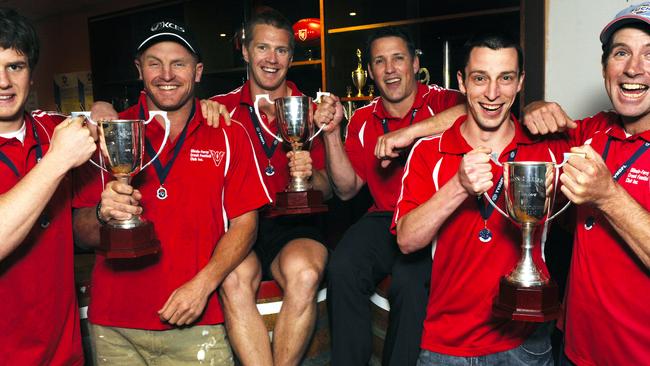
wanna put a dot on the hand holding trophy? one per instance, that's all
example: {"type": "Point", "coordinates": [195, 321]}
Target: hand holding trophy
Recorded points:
{"type": "Point", "coordinates": [295, 116]}
{"type": "Point", "coordinates": [121, 143]}
{"type": "Point", "coordinates": [527, 294]}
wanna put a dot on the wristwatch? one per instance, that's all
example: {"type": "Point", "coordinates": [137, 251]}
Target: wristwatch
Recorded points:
{"type": "Point", "coordinates": [98, 214]}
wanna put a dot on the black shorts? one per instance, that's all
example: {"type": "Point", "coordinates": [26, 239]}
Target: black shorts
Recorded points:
{"type": "Point", "coordinates": [274, 233]}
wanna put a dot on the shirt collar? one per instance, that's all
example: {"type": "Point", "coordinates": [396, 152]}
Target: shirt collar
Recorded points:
{"type": "Point", "coordinates": [197, 118]}
{"type": "Point", "coordinates": [19, 134]}
{"type": "Point", "coordinates": [617, 131]}
{"type": "Point", "coordinates": [453, 142]}
{"type": "Point", "coordinates": [381, 113]}
{"type": "Point", "coordinates": [247, 98]}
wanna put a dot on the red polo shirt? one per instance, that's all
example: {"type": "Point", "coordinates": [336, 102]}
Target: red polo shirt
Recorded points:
{"type": "Point", "coordinates": [466, 271]}
{"type": "Point", "coordinates": [40, 325]}
{"type": "Point", "coordinates": [239, 102]}
{"type": "Point", "coordinates": [608, 293]}
{"type": "Point", "coordinates": [365, 127]}
{"type": "Point", "coordinates": [205, 185]}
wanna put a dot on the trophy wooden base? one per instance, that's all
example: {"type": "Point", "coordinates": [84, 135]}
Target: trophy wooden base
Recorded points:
{"type": "Point", "coordinates": [117, 243]}
{"type": "Point", "coordinates": [529, 304]}
{"type": "Point", "coordinates": [297, 203]}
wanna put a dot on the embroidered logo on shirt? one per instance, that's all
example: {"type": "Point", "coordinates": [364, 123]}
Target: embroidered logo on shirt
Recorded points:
{"type": "Point", "coordinates": [201, 155]}
{"type": "Point", "coordinates": [217, 156]}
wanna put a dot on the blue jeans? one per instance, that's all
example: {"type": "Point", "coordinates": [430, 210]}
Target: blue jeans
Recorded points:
{"type": "Point", "coordinates": [535, 351]}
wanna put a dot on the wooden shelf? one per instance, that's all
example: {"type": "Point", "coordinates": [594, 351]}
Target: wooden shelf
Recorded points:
{"type": "Point", "coordinates": [364, 98]}
{"type": "Point", "coordinates": [424, 20]}
{"type": "Point", "coordinates": [306, 62]}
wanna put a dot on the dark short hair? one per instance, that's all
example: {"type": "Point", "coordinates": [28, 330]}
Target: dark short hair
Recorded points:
{"type": "Point", "coordinates": [607, 46]}
{"type": "Point", "coordinates": [493, 41]}
{"type": "Point", "coordinates": [18, 33]}
{"type": "Point", "coordinates": [390, 32]}
{"type": "Point", "coordinates": [269, 17]}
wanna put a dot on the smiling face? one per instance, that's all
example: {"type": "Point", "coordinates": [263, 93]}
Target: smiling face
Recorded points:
{"type": "Point", "coordinates": [268, 55]}
{"type": "Point", "coordinates": [627, 73]}
{"type": "Point", "coordinates": [15, 81]}
{"type": "Point", "coordinates": [393, 69]}
{"type": "Point", "coordinates": [169, 72]}
{"type": "Point", "coordinates": [492, 81]}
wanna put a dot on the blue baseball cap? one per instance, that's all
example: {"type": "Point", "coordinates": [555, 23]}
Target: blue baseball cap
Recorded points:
{"type": "Point", "coordinates": [632, 14]}
{"type": "Point", "coordinates": [169, 30]}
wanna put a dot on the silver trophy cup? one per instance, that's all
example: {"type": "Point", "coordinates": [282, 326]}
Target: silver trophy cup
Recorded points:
{"type": "Point", "coordinates": [295, 117]}
{"type": "Point", "coordinates": [529, 189]}
{"type": "Point", "coordinates": [526, 293]}
{"type": "Point", "coordinates": [121, 143]}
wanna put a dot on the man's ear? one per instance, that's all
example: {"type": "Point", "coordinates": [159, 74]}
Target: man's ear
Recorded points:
{"type": "Point", "coordinates": [139, 67]}
{"type": "Point", "coordinates": [244, 53]}
{"type": "Point", "coordinates": [370, 71]}
{"type": "Point", "coordinates": [522, 76]}
{"type": "Point", "coordinates": [199, 72]}
{"type": "Point", "coordinates": [461, 82]}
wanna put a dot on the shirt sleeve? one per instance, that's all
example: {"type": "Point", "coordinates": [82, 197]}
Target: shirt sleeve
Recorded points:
{"type": "Point", "coordinates": [588, 126]}
{"type": "Point", "coordinates": [441, 99]}
{"type": "Point", "coordinates": [244, 188]}
{"type": "Point", "coordinates": [354, 145]}
{"type": "Point", "coordinates": [87, 184]}
{"type": "Point", "coordinates": [417, 181]}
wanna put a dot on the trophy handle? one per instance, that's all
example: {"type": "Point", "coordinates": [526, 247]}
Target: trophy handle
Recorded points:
{"type": "Point", "coordinates": [256, 106]}
{"type": "Point", "coordinates": [493, 157]}
{"type": "Point", "coordinates": [424, 79]}
{"type": "Point", "coordinates": [319, 95]}
{"type": "Point", "coordinates": [162, 114]}
{"type": "Point", "coordinates": [567, 155]}
{"type": "Point", "coordinates": [86, 115]}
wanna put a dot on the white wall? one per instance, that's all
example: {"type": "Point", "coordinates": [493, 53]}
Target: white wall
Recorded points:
{"type": "Point", "coordinates": [573, 72]}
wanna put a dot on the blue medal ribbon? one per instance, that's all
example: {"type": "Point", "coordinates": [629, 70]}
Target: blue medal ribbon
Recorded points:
{"type": "Point", "coordinates": [163, 171]}
{"type": "Point", "coordinates": [268, 150]}
{"type": "Point", "coordinates": [486, 209]}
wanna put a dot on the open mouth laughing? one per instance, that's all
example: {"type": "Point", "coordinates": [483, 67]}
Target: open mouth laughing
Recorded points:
{"type": "Point", "coordinates": [633, 90]}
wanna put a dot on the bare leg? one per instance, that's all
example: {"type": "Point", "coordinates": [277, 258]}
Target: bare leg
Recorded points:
{"type": "Point", "coordinates": [298, 269]}
{"type": "Point", "coordinates": [246, 330]}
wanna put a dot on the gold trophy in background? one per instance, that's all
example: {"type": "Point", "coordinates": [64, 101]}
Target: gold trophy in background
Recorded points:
{"type": "Point", "coordinates": [359, 76]}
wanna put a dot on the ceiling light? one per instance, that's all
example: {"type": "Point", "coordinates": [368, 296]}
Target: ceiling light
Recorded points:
{"type": "Point", "coordinates": [352, 13]}
{"type": "Point", "coordinates": [222, 35]}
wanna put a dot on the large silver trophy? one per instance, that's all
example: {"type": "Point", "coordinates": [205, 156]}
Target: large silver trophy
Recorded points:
{"type": "Point", "coordinates": [527, 294]}
{"type": "Point", "coordinates": [121, 144]}
{"type": "Point", "coordinates": [295, 117]}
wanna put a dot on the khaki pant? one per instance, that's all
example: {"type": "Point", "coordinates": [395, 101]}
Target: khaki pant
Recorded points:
{"type": "Point", "coordinates": [198, 345]}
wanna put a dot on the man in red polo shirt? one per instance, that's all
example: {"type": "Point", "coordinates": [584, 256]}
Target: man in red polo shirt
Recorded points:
{"type": "Point", "coordinates": [288, 249]}
{"type": "Point", "coordinates": [472, 248]}
{"type": "Point", "coordinates": [368, 251]}
{"type": "Point", "coordinates": [164, 309]}
{"type": "Point", "coordinates": [41, 322]}
{"type": "Point", "coordinates": [607, 320]}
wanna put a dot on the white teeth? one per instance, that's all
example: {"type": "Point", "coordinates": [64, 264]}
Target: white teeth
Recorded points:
{"type": "Point", "coordinates": [633, 86]}
{"type": "Point", "coordinates": [391, 81]}
{"type": "Point", "coordinates": [491, 107]}
{"type": "Point", "coordinates": [167, 87]}
{"type": "Point", "coordinates": [5, 97]}
{"type": "Point", "coordinates": [268, 69]}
